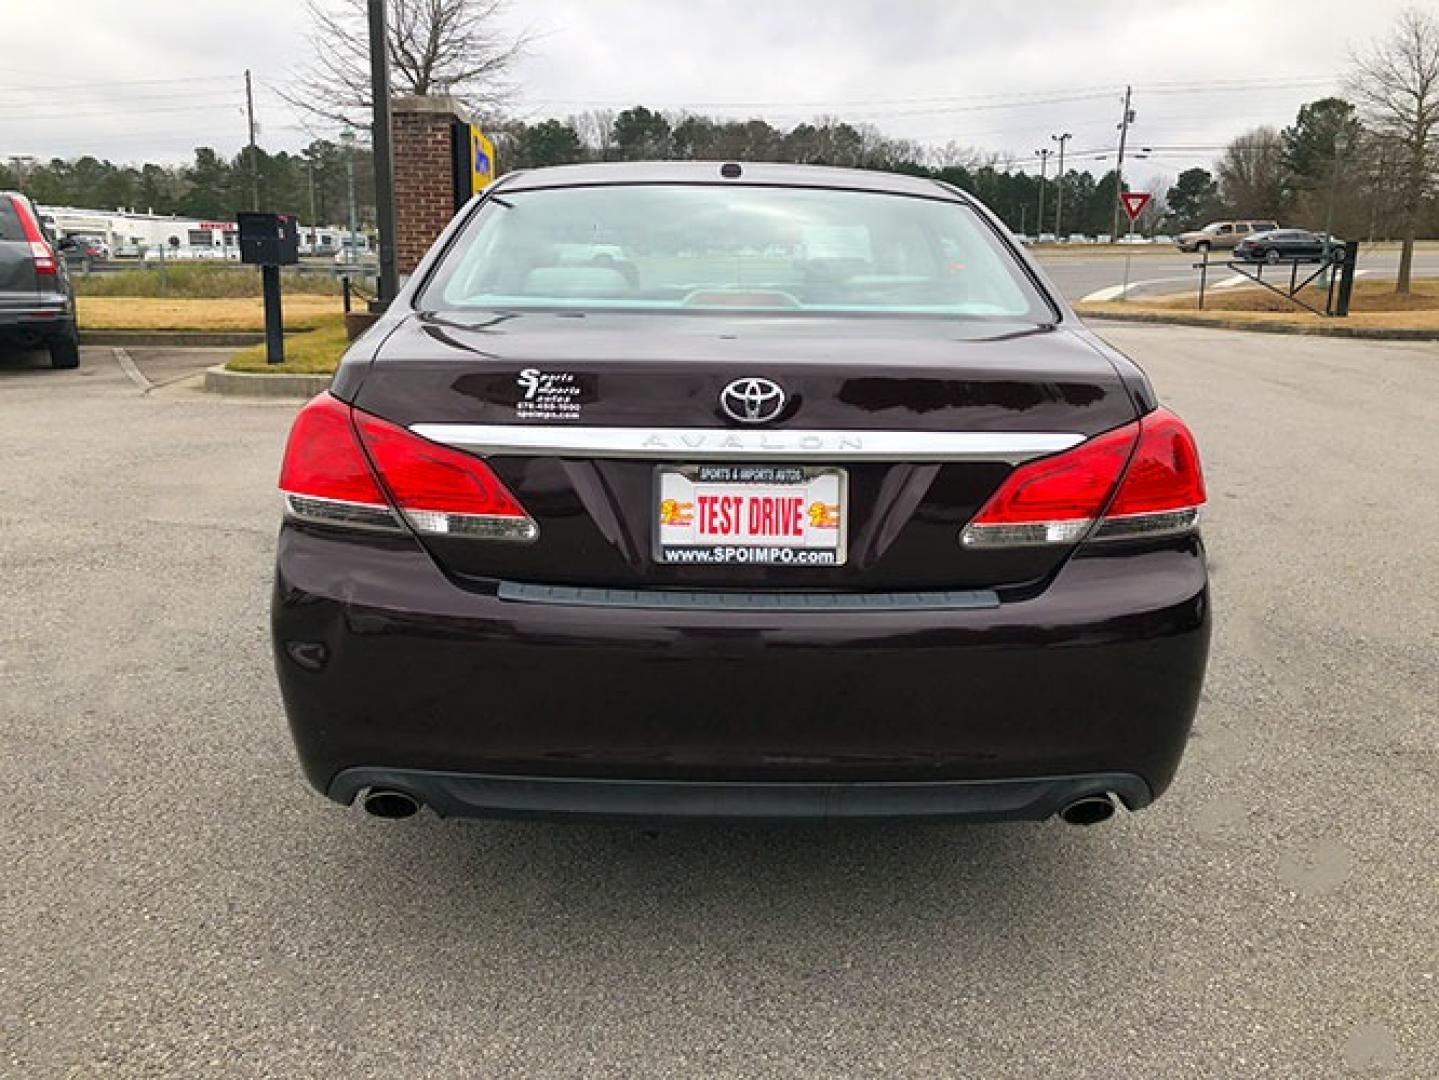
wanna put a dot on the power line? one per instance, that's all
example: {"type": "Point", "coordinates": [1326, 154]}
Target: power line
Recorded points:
{"type": "Point", "coordinates": [43, 88]}
{"type": "Point", "coordinates": [1010, 101]}
{"type": "Point", "coordinates": [1205, 85]}
{"type": "Point", "coordinates": [124, 106]}
{"type": "Point", "coordinates": [130, 112]}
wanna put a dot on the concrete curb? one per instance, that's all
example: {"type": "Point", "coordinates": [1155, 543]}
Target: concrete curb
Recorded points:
{"type": "Point", "coordinates": [1372, 333]}
{"type": "Point", "coordinates": [181, 338]}
{"type": "Point", "coordinates": [249, 384]}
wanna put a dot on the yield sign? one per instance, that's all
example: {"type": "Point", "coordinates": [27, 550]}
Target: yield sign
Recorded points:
{"type": "Point", "coordinates": [1135, 202]}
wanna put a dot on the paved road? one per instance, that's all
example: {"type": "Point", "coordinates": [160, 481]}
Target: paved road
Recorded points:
{"type": "Point", "coordinates": [175, 902]}
{"type": "Point", "coordinates": [1170, 271]}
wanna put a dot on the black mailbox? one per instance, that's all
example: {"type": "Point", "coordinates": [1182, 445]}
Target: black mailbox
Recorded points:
{"type": "Point", "coordinates": [269, 239]}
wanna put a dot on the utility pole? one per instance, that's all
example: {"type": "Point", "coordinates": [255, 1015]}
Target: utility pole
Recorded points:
{"type": "Point", "coordinates": [254, 153]}
{"type": "Point", "coordinates": [347, 137]}
{"type": "Point", "coordinates": [1039, 218]}
{"type": "Point", "coordinates": [1124, 122]}
{"type": "Point", "coordinates": [383, 154]}
{"type": "Point", "coordinates": [1059, 186]}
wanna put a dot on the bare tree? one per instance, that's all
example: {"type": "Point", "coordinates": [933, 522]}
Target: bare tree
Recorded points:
{"type": "Point", "coordinates": [953, 155]}
{"type": "Point", "coordinates": [452, 47]}
{"type": "Point", "coordinates": [597, 132]}
{"type": "Point", "coordinates": [1396, 84]}
{"type": "Point", "coordinates": [1156, 210]}
{"type": "Point", "coordinates": [1251, 174]}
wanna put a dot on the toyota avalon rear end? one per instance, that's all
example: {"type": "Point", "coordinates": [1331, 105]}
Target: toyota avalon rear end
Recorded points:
{"type": "Point", "coordinates": [766, 492]}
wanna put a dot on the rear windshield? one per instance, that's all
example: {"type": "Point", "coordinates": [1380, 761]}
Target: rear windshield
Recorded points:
{"type": "Point", "coordinates": [672, 246]}
{"type": "Point", "coordinates": [9, 222]}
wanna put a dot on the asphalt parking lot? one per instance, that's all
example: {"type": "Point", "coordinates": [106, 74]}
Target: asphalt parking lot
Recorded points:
{"type": "Point", "coordinates": [176, 902]}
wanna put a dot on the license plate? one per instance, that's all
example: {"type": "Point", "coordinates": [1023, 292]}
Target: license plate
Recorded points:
{"type": "Point", "coordinates": [756, 515]}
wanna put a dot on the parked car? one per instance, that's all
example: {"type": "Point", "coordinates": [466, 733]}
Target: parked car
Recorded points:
{"type": "Point", "coordinates": [190, 253]}
{"type": "Point", "coordinates": [84, 247]}
{"type": "Point", "coordinates": [346, 255]}
{"type": "Point", "coordinates": [807, 539]}
{"type": "Point", "coordinates": [37, 302]}
{"type": "Point", "coordinates": [1286, 244]}
{"type": "Point", "coordinates": [1221, 235]}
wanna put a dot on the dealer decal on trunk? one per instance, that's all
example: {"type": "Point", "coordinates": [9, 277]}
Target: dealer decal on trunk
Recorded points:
{"type": "Point", "coordinates": [548, 395]}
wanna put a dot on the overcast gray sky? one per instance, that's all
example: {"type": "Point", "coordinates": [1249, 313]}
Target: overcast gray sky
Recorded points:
{"type": "Point", "coordinates": [135, 80]}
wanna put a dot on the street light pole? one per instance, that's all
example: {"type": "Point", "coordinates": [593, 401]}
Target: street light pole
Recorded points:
{"type": "Point", "coordinates": [1336, 167]}
{"type": "Point", "coordinates": [1043, 162]}
{"type": "Point", "coordinates": [1059, 186]}
{"type": "Point", "coordinates": [254, 150]}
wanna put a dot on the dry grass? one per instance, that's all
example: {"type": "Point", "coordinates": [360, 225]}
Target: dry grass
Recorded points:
{"type": "Point", "coordinates": [1374, 305]}
{"type": "Point", "coordinates": [200, 279]}
{"type": "Point", "coordinates": [313, 353]}
{"type": "Point", "coordinates": [170, 313]}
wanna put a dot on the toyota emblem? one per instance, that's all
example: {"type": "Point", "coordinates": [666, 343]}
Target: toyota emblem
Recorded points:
{"type": "Point", "coordinates": [752, 401]}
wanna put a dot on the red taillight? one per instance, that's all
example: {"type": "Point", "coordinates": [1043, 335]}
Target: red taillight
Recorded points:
{"type": "Point", "coordinates": [346, 467]}
{"type": "Point", "coordinates": [1056, 500]}
{"type": "Point", "coordinates": [40, 249]}
{"type": "Point", "coordinates": [1164, 474]}
{"type": "Point", "coordinates": [325, 476]}
{"type": "Point", "coordinates": [440, 490]}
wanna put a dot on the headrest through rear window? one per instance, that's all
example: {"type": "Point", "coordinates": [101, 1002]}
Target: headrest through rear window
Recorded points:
{"type": "Point", "coordinates": [577, 281]}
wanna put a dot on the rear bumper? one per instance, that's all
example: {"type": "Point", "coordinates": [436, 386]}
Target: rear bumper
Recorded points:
{"type": "Point", "coordinates": [394, 676]}
{"type": "Point", "coordinates": [478, 795]}
{"type": "Point", "coordinates": [37, 322]}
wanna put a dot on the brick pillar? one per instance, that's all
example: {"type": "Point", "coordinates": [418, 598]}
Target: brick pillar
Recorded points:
{"type": "Point", "coordinates": [424, 174]}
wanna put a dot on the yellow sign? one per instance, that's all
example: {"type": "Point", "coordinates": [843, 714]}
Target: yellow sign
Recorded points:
{"type": "Point", "coordinates": [482, 160]}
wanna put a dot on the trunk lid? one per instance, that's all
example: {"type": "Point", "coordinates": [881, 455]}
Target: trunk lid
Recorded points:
{"type": "Point", "coordinates": [567, 372]}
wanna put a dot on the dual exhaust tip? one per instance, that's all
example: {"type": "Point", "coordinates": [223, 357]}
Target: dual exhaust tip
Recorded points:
{"type": "Point", "coordinates": [388, 803]}
{"type": "Point", "coordinates": [392, 804]}
{"type": "Point", "coordinates": [1090, 810]}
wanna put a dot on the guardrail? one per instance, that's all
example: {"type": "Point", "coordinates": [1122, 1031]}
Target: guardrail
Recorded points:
{"type": "Point", "coordinates": [87, 267]}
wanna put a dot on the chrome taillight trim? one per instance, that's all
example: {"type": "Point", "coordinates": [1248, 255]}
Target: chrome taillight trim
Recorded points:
{"type": "Point", "coordinates": [708, 444]}
{"type": "Point", "coordinates": [478, 526]}
{"type": "Point", "coordinates": [1041, 533]}
{"type": "Point", "coordinates": [1025, 534]}
{"type": "Point", "coordinates": [372, 518]}
{"type": "Point", "coordinates": [349, 515]}
{"type": "Point", "coordinates": [1144, 526]}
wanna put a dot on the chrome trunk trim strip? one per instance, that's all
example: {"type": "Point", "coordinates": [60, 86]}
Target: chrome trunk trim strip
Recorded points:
{"type": "Point", "coordinates": [707, 444]}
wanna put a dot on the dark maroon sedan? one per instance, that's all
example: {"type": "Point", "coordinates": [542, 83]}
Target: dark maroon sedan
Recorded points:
{"type": "Point", "coordinates": [688, 490]}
